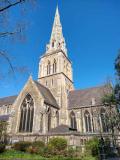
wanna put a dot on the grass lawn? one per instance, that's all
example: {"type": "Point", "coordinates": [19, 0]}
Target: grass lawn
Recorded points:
{"type": "Point", "coordinates": [12, 154]}
{"type": "Point", "coordinates": [18, 155]}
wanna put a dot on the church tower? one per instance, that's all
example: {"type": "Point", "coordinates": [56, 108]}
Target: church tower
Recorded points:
{"type": "Point", "coordinates": [55, 68]}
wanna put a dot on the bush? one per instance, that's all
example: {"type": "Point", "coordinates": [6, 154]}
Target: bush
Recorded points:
{"type": "Point", "coordinates": [2, 148]}
{"type": "Point", "coordinates": [59, 144]}
{"type": "Point", "coordinates": [36, 147]}
{"type": "Point", "coordinates": [92, 147]}
{"type": "Point", "coordinates": [32, 150]}
{"type": "Point", "coordinates": [71, 152]}
{"type": "Point", "coordinates": [39, 144]}
{"type": "Point", "coordinates": [21, 146]}
{"type": "Point", "coordinates": [47, 152]}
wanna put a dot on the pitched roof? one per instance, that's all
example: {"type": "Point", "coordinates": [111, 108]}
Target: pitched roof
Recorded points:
{"type": "Point", "coordinates": [4, 117]}
{"type": "Point", "coordinates": [60, 129]}
{"type": "Point", "coordinates": [7, 100]}
{"type": "Point", "coordinates": [48, 97]}
{"type": "Point", "coordinates": [82, 98]}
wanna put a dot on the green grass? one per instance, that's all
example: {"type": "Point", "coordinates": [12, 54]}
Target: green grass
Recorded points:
{"type": "Point", "coordinates": [18, 155]}
{"type": "Point", "coordinates": [12, 155]}
{"type": "Point", "coordinates": [88, 158]}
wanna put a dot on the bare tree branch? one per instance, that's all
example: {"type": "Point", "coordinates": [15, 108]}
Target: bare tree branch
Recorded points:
{"type": "Point", "coordinates": [4, 34]}
{"type": "Point", "coordinates": [4, 55]}
{"type": "Point", "coordinates": [16, 32]}
{"type": "Point", "coordinates": [11, 5]}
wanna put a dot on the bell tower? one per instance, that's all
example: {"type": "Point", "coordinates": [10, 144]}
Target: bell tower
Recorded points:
{"type": "Point", "coordinates": [55, 68]}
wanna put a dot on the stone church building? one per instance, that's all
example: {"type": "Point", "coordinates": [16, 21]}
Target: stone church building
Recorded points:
{"type": "Point", "coordinates": [50, 106]}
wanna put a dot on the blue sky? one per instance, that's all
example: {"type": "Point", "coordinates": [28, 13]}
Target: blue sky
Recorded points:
{"type": "Point", "coordinates": [92, 32]}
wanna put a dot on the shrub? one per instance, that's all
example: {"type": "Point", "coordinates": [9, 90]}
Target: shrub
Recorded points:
{"type": "Point", "coordinates": [71, 152]}
{"type": "Point", "coordinates": [2, 148]}
{"type": "Point", "coordinates": [32, 150]}
{"type": "Point", "coordinates": [39, 144]}
{"type": "Point", "coordinates": [21, 146]}
{"type": "Point", "coordinates": [36, 147]}
{"type": "Point", "coordinates": [47, 152]}
{"type": "Point", "coordinates": [58, 144]}
{"type": "Point", "coordinates": [92, 147]}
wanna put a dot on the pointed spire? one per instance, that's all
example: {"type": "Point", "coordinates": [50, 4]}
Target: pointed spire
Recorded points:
{"type": "Point", "coordinates": [57, 40]}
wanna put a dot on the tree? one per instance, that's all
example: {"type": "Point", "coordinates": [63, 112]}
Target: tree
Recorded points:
{"type": "Point", "coordinates": [112, 114]}
{"type": "Point", "coordinates": [92, 147]}
{"type": "Point", "coordinates": [117, 86]}
{"type": "Point", "coordinates": [13, 29]}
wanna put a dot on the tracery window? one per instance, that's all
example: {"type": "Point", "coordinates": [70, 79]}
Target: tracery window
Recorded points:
{"type": "Point", "coordinates": [27, 114]}
{"type": "Point", "coordinates": [104, 120]}
{"type": "Point", "coordinates": [87, 121]}
{"type": "Point", "coordinates": [48, 68]}
{"type": "Point", "coordinates": [73, 120]}
{"type": "Point", "coordinates": [54, 66]}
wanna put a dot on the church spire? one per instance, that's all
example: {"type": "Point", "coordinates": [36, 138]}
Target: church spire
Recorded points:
{"type": "Point", "coordinates": [57, 40]}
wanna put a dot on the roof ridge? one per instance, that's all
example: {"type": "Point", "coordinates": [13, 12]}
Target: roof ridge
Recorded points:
{"type": "Point", "coordinates": [88, 88]}
{"type": "Point", "coordinates": [8, 97]}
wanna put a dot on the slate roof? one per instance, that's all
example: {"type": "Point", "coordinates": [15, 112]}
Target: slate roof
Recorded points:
{"type": "Point", "coordinates": [83, 98]}
{"type": "Point", "coordinates": [7, 100]}
{"type": "Point", "coordinates": [48, 97]}
{"type": "Point", "coordinates": [4, 117]}
{"type": "Point", "coordinates": [60, 129]}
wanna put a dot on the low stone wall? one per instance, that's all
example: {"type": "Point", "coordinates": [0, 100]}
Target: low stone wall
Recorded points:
{"type": "Point", "coordinates": [73, 138]}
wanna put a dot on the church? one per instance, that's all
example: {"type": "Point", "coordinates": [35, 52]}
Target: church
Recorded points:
{"type": "Point", "coordinates": [50, 106]}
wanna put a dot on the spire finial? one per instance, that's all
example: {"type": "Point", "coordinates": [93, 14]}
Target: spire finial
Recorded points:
{"type": "Point", "coordinates": [57, 9]}
{"type": "Point", "coordinates": [57, 40]}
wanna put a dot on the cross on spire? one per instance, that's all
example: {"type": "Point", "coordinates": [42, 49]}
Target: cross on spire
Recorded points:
{"type": "Point", "coordinates": [57, 40]}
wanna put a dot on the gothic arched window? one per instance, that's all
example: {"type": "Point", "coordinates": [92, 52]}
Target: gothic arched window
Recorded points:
{"type": "Point", "coordinates": [104, 120]}
{"type": "Point", "coordinates": [27, 113]}
{"type": "Point", "coordinates": [73, 122]}
{"type": "Point", "coordinates": [48, 68]}
{"type": "Point", "coordinates": [49, 119]}
{"type": "Point", "coordinates": [57, 117]}
{"type": "Point", "coordinates": [87, 121]}
{"type": "Point", "coordinates": [54, 66]}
